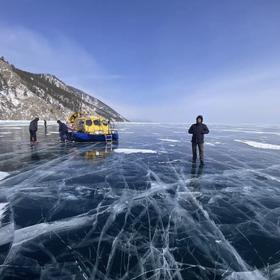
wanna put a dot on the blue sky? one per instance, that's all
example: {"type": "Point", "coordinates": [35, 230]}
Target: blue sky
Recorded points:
{"type": "Point", "coordinates": [155, 59]}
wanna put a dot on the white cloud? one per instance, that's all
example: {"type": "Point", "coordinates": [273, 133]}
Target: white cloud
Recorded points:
{"type": "Point", "coordinates": [35, 52]}
{"type": "Point", "coordinates": [61, 56]}
{"type": "Point", "coordinates": [247, 96]}
{"type": "Point", "coordinates": [250, 95]}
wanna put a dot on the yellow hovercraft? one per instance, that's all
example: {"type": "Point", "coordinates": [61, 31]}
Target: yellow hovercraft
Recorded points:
{"type": "Point", "coordinates": [87, 128]}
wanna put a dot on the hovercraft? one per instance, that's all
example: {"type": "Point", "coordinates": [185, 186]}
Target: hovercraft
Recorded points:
{"type": "Point", "coordinates": [87, 128]}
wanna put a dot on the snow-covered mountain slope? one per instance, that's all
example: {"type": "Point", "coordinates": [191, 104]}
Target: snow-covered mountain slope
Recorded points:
{"type": "Point", "coordinates": [25, 95]}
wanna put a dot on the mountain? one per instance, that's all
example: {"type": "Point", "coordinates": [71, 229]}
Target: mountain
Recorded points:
{"type": "Point", "coordinates": [25, 95]}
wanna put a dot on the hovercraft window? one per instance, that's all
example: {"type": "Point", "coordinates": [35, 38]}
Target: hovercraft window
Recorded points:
{"type": "Point", "coordinates": [97, 122]}
{"type": "Point", "coordinates": [88, 122]}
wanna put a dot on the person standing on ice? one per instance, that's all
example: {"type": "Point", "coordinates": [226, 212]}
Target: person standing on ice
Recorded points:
{"type": "Point", "coordinates": [33, 127]}
{"type": "Point", "coordinates": [63, 131]}
{"type": "Point", "coordinates": [46, 127]}
{"type": "Point", "coordinates": [198, 130]}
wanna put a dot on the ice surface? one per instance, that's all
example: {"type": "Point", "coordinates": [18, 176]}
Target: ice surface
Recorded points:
{"type": "Point", "coordinates": [140, 209]}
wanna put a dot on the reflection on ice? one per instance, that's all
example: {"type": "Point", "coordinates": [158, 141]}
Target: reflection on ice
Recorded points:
{"type": "Point", "coordinates": [90, 211]}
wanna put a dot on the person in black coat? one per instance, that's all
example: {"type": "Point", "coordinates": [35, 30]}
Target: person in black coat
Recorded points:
{"type": "Point", "coordinates": [33, 127]}
{"type": "Point", "coordinates": [198, 130]}
{"type": "Point", "coordinates": [46, 127]}
{"type": "Point", "coordinates": [63, 131]}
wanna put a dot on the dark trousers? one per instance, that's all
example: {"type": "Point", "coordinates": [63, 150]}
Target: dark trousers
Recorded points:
{"type": "Point", "coordinates": [201, 151]}
{"type": "Point", "coordinates": [33, 136]}
{"type": "Point", "coordinates": [63, 136]}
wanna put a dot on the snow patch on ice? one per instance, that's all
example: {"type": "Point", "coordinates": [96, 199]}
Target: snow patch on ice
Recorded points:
{"type": "Point", "coordinates": [6, 234]}
{"type": "Point", "coordinates": [3, 175]}
{"type": "Point", "coordinates": [28, 233]}
{"type": "Point", "coordinates": [213, 144]}
{"type": "Point", "coordinates": [259, 145]}
{"type": "Point", "coordinates": [134, 151]}
{"type": "Point", "coordinates": [2, 209]}
{"type": "Point", "coordinates": [251, 131]}
{"type": "Point", "coordinates": [170, 140]}
{"type": "Point", "coordinates": [13, 123]}
{"type": "Point", "coordinates": [11, 127]}
{"type": "Point", "coordinates": [247, 275]}
{"type": "Point", "coordinates": [209, 144]}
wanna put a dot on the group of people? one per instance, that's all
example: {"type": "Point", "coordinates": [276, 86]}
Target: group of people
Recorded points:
{"type": "Point", "coordinates": [62, 128]}
{"type": "Point", "coordinates": [197, 130]}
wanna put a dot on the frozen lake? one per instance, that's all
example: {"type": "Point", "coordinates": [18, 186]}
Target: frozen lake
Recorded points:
{"type": "Point", "coordinates": [140, 210]}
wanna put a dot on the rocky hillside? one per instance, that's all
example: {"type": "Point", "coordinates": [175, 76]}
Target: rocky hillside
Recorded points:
{"type": "Point", "coordinates": [25, 95]}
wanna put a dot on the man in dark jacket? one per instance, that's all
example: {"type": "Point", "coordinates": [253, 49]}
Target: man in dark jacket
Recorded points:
{"type": "Point", "coordinates": [63, 131]}
{"type": "Point", "coordinates": [198, 130]}
{"type": "Point", "coordinates": [33, 127]}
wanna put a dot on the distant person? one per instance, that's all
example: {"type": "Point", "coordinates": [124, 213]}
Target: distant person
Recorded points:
{"type": "Point", "coordinates": [63, 131]}
{"type": "Point", "coordinates": [33, 127]}
{"type": "Point", "coordinates": [198, 130]}
{"type": "Point", "coordinates": [45, 125]}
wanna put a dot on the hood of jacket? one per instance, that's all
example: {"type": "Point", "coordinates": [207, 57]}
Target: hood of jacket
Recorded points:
{"type": "Point", "coordinates": [199, 117]}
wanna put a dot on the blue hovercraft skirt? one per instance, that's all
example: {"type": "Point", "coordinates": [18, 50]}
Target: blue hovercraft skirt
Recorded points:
{"type": "Point", "coordinates": [85, 137]}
